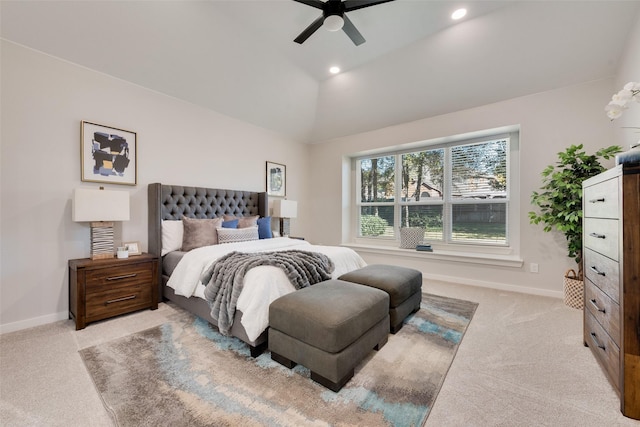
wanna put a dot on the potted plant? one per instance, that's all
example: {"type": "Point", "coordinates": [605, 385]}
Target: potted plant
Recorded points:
{"type": "Point", "coordinates": [560, 199]}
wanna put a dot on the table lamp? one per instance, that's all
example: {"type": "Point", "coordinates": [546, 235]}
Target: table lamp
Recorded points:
{"type": "Point", "coordinates": [285, 209]}
{"type": "Point", "coordinates": [101, 208]}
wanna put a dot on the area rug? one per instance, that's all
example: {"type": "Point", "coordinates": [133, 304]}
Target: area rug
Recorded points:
{"type": "Point", "coordinates": [184, 373]}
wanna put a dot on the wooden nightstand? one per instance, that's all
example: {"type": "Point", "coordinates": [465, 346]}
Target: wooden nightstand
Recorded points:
{"type": "Point", "coordinates": [100, 289]}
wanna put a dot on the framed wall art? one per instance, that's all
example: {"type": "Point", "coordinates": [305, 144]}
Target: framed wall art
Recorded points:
{"type": "Point", "coordinates": [108, 155]}
{"type": "Point", "coordinates": [133, 247]}
{"type": "Point", "coordinates": [276, 179]}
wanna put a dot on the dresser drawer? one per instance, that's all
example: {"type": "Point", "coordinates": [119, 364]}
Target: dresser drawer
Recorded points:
{"type": "Point", "coordinates": [601, 200]}
{"type": "Point", "coordinates": [117, 301]}
{"type": "Point", "coordinates": [601, 235]}
{"type": "Point", "coordinates": [103, 279]}
{"type": "Point", "coordinates": [603, 272]}
{"type": "Point", "coordinates": [603, 309]}
{"type": "Point", "coordinates": [603, 347]}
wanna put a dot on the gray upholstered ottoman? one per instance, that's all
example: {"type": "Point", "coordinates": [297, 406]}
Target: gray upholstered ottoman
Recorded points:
{"type": "Point", "coordinates": [404, 286]}
{"type": "Point", "coordinates": [329, 328]}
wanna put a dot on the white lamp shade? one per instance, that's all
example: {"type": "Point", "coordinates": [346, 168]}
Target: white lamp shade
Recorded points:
{"type": "Point", "coordinates": [285, 208]}
{"type": "Point", "coordinates": [99, 205]}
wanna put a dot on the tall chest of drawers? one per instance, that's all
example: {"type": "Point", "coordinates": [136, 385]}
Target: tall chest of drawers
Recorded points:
{"type": "Point", "coordinates": [611, 250]}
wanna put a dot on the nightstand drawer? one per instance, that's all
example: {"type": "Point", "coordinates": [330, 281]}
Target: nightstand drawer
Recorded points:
{"type": "Point", "coordinates": [102, 279]}
{"type": "Point", "coordinates": [603, 309]}
{"type": "Point", "coordinates": [119, 300]}
{"type": "Point", "coordinates": [603, 272]}
{"type": "Point", "coordinates": [605, 350]}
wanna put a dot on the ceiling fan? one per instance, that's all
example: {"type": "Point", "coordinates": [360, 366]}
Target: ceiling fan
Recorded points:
{"type": "Point", "coordinates": [334, 18]}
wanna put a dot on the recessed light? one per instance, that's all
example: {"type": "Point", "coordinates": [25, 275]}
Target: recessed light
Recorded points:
{"type": "Point", "coordinates": [334, 70]}
{"type": "Point", "coordinates": [460, 13]}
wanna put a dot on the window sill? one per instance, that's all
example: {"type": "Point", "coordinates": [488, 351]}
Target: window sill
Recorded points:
{"type": "Point", "coordinates": [513, 261]}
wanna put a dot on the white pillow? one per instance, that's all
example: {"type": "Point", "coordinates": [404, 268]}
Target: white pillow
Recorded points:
{"type": "Point", "coordinates": [172, 232]}
{"type": "Point", "coordinates": [230, 235]}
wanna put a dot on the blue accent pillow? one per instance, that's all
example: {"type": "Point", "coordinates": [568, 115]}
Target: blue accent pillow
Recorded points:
{"type": "Point", "coordinates": [230, 224]}
{"type": "Point", "coordinates": [264, 228]}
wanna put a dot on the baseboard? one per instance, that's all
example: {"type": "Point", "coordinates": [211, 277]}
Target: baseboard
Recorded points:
{"type": "Point", "coordinates": [493, 285]}
{"type": "Point", "coordinates": [35, 321]}
{"type": "Point", "coordinates": [42, 320]}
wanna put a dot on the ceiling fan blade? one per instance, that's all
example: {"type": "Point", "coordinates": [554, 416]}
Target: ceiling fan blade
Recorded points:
{"type": "Point", "coordinates": [352, 31]}
{"type": "Point", "coordinates": [309, 30]}
{"type": "Point", "coordinates": [313, 3]}
{"type": "Point", "coordinates": [350, 5]}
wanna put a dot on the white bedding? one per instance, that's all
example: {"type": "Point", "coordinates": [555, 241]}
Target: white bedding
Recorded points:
{"type": "Point", "coordinates": [263, 284]}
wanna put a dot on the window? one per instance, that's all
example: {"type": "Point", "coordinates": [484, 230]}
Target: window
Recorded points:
{"type": "Point", "coordinates": [377, 196]}
{"type": "Point", "coordinates": [458, 192]}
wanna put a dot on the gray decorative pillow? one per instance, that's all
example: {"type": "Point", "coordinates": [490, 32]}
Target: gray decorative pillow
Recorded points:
{"type": "Point", "coordinates": [243, 221]}
{"type": "Point", "coordinates": [231, 235]}
{"type": "Point", "coordinates": [199, 232]}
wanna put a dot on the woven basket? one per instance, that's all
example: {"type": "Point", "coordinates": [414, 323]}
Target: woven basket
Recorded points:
{"type": "Point", "coordinates": [410, 237]}
{"type": "Point", "coordinates": [573, 290]}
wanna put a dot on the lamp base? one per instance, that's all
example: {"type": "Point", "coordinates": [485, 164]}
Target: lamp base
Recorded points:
{"type": "Point", "coordinates": [101, 240]}
{"type": "Point", "coordinates": [101, 256]}
{"type": "Point", "coordinates": [285, 228]}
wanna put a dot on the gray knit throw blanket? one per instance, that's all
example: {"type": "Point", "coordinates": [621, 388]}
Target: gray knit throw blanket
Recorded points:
{"type": "Point", "coordinates": [224, 279]}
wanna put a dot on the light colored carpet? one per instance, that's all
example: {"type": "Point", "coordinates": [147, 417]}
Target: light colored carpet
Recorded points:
{"type": "Point", "coordinates": [184, 372]}
{"type": "Point", "coordinates": [522, 362]}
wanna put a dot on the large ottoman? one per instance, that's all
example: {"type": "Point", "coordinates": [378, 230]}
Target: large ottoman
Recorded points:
{"type": "Point", "coordinates": [404, 286]}
{"type": "Point", "coordinates": [329, 328]}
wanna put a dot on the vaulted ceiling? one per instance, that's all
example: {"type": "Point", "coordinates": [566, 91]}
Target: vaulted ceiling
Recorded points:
{"type": "Point", "coordinates": [238, 57]}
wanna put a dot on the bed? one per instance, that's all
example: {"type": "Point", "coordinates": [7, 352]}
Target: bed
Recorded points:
{"type": "Point", "coordinates": [180, 271]}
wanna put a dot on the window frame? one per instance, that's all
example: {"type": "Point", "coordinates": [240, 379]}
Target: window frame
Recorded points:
{"type": "Point", "coordinates": [511, 245]}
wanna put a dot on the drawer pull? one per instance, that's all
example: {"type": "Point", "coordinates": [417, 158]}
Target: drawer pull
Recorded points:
{"type": "Point", "coordinates": [595, 339]}
{"type": "Point", "coordinates": [601, 200]}
{"type": "Point", "coordinates": [597, 236]}
{"type": "Point", "coordinates": [126, 276]}
{"type": "Point", "coordinates": [593, 303]}
{"type": "Point", "coordinates": [598, 272]}
{"type": "Point", "coordinates": [120, 299]}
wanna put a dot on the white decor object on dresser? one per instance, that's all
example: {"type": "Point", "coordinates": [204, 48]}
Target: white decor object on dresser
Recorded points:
{"type": "Point", "coordinates": [611, 206]}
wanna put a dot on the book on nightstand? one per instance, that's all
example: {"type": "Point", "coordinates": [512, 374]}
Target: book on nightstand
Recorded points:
{"type": "Point", "coordinates": [424, 248]}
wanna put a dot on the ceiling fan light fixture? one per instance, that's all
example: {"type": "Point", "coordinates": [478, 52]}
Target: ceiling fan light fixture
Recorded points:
{"type": "Point", "coordinates": [334, 17]}
{"type": "Point", "coordinates": [333, 22]}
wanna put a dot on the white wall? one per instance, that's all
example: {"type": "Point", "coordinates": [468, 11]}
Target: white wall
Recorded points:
{"type": "Point", "coordinates": [549, 121]}
{"type": "Point", "coordinates": [629, 71]}
{"type": "Point", "coordinates": [44, 99]}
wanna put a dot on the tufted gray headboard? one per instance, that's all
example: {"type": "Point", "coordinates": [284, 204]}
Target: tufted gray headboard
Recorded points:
{"type": "Point", "coordinates": [167, 202]}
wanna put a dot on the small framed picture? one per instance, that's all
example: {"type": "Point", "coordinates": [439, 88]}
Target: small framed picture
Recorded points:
{"type": "Point", "coordinates": [108, 155]}
{"type": "Point", "coordinates": [132, 247]}
{"type": "Point", "coordinates": [276, 179]}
